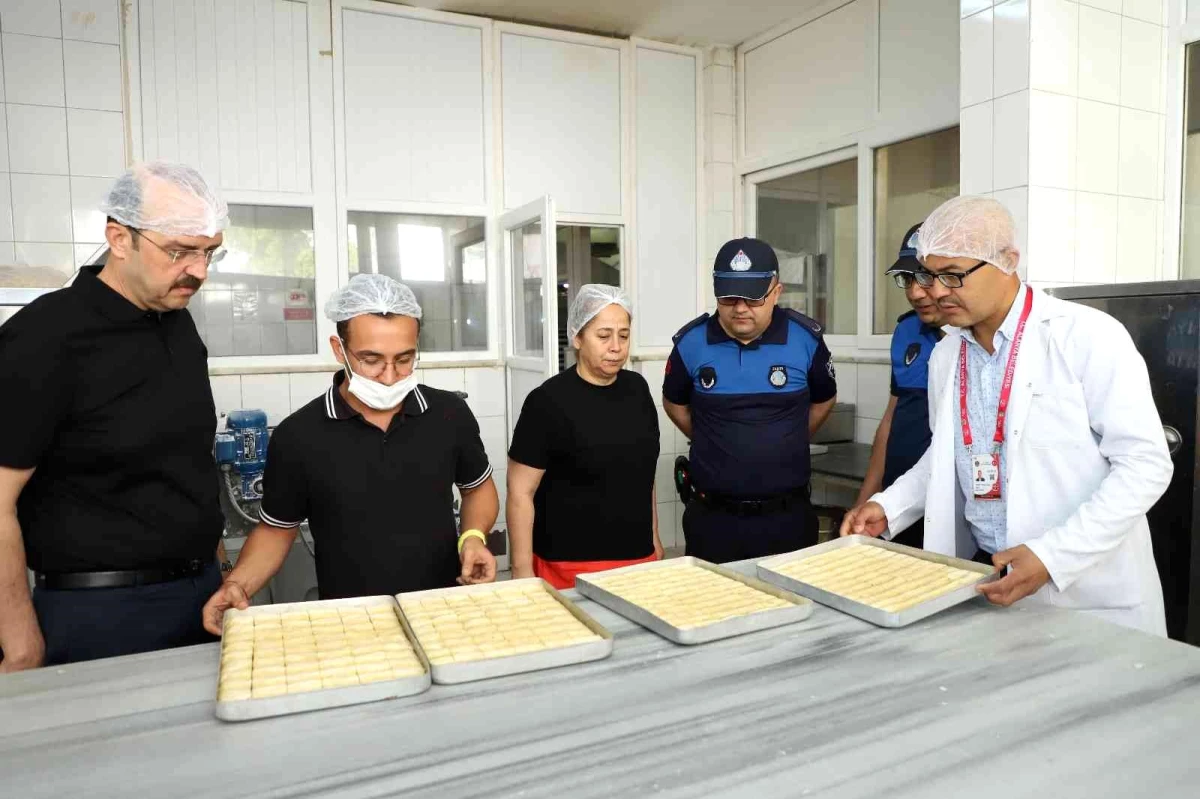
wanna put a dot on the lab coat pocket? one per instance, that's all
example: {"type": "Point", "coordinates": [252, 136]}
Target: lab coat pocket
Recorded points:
{"type": "Point", "coordinates": [1058, 417]}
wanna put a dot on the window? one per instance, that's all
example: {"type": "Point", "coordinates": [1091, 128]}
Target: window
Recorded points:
{"type": "Point", "coordinates": [811, 220]}
{"type": "Point", "coordinates": [911, 179]}
{"type": "Point", "coordinates": [443, 259]}
{"type": "Point", "coordinates": [1189, 245]}
{"type": "Point", "coordinates": [585, 255]}
{"type": "Point", "coordinates": [260, 299]}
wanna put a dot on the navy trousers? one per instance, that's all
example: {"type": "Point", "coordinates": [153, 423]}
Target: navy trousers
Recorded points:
{"type": "Point", "coordinates": [106, 622]}
{"type": "Point", "coordinates": [720, 536]}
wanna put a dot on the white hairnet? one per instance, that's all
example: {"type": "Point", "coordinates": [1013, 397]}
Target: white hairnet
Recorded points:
{"type": "Point", "coordinates": [971, 227]}
{"type": "Point", "coordinates": [590, 300]}
{"type": "Point", "coordinates": [172, 199]}
{"type": "Point", "coordinates": [369, 293]}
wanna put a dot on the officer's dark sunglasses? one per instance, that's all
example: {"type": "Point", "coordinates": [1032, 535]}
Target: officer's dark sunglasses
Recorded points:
{"type": "Point", "coordinates": [924, 279]}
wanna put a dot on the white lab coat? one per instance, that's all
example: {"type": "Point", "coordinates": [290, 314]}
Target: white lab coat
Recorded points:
{"type": "Point", "coordinates": [1087, 458]}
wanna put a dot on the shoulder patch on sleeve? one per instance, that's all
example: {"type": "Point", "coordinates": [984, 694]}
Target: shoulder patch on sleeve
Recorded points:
{"type": "Point", "coordinates": [699, 320]}
{"type": "Point", "coordinates": [812, 325]}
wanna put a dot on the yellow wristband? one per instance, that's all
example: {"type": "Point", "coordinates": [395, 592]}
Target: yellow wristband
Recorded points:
{"type": "Point", "coordinates": [462, 539]}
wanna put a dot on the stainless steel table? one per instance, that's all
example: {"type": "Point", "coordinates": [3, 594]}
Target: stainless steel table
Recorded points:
{"type": "Point", "coordinates": [977, 701]}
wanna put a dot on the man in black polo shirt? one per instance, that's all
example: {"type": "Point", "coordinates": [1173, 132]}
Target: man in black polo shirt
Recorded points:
{"type": "Point", "coordinates": [108, 489]}
{"type": "Point", "coordinates": [370, 463]}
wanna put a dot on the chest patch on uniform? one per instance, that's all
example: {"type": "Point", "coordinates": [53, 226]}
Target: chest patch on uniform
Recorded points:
{"type": "Point", "coordinates": [911, 353]}
{"type": "Point", "coordinates": [708, 377]}
{"type": "Point", "coordinates": [778, 376]}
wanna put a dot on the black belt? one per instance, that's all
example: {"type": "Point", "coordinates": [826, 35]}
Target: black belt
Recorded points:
{"type": "Point", "coordinates": [70, 581]}
{"type": "Point", "coordinates": [753, 507]}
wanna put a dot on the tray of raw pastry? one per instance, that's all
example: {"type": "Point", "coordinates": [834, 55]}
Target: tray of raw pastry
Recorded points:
{"type": "Point", "coordinates": [298, 656]}
{"type": "Point", "coordinates": [691, 601]}
{"type": "Point", "coordinates": [887, 584]}
{"type": "Point", "coordinates": [477, 632]}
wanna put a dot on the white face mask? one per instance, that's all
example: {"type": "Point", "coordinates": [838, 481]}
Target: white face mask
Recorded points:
{"type": "Point", "coordinates": [376, 395]}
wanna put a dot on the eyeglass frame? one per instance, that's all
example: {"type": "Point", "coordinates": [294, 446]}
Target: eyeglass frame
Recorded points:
{"type": "Point", "coordinates": [951, 280]}
{"type": "Point", "coordinates": [396, 363]}
{"type": "Point", "coordinates": [213, 256]}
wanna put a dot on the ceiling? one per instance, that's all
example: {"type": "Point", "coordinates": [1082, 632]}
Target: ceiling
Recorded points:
{"type": "Point", "coordinates": [692, 22]}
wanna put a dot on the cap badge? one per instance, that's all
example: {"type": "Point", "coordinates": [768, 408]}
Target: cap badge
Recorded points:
{"type": "Point", "coordinates": [741, 262]}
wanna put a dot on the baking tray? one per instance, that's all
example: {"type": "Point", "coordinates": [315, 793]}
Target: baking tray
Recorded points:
{"type": "Point", "coordinates": [865, 612]}
{"type": "Point", "coordinates": [246, 709]}
{"type": "Point", "coordinates": [764, 619]}
{"type": "Point", "coordinates": [487, 668]}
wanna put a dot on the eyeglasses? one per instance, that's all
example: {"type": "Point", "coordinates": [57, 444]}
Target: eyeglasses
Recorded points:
{"type": "Point", "coordinates": [951, 280]}
{"type": "Point", "coordinates": [729, 302]}
{"type": "Point", "coordinates": [189, 257]}
{"type": "Point", "coordinates": [373, 365]}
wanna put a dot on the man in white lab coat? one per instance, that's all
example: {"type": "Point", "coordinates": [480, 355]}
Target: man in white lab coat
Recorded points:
{"type": "Point", "coordinates": [1045, 459]}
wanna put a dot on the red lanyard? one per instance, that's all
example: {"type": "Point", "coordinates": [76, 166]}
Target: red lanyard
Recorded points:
{"type": "Point", "coordinates": [1005, 387]}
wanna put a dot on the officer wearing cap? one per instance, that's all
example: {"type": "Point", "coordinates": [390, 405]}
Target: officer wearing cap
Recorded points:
{"type": "Point", "coordinates": [749, 386]}
{"type": "Point", "coordinates": [903, 433]}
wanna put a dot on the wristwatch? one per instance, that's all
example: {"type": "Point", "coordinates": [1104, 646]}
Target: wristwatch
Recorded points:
{"type": "Point", "coordinates": [226, 567]}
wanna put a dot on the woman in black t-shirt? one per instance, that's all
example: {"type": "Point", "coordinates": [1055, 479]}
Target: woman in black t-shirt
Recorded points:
{"type": "Point", "coordinates": [583, 456]}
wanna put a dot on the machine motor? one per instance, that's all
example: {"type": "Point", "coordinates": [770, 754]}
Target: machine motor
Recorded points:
{"type": "Point", "coordinates": [241, 449]}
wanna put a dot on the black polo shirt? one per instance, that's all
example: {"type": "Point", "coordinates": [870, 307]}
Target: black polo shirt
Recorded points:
{"type": "Point", "coordinates": [113, 407]}
{"type": "Point", "coordinates": [379, 504]}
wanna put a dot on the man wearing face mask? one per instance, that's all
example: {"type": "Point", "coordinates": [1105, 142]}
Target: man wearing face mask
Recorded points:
{"type": "Point", "coordinates": [370, 464]}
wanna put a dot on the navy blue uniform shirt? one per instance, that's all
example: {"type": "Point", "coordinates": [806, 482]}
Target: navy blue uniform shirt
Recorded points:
{"type": "Point", "coordinates": [912, 343]}
{"type": "Point", "coordinates": [750, 402]}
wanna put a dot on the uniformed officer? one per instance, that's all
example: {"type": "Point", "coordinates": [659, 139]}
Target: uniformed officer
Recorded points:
{"type": "Point", "coordinates": [903, 433]}
{"type": "Point", "coordinates": [749, 386]}
{"type": "Point", "coordinates": [370, 463]}
{"type": "Point", "coordinates": [108, 489]}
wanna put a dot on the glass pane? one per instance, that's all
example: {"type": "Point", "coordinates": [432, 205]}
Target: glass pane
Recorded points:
{"type": "Point", "coordinates": [261, 298]}
{"type": "Point", "coordinates": [811, 220]}
{"type": "Point", "coordinates": [527, 274]}
{"type": "Point", "coordinates": [443, 259]}
{"type": "Point", "coordinates": [911, 179]}
{"type": "Point", "coordinates": [585, 255]}
{"type": "Point", "coordinates": [1189, 249]}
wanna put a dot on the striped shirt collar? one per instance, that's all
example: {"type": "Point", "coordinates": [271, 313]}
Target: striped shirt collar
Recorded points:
{"type": "Point", "coordinates": [336, 406]}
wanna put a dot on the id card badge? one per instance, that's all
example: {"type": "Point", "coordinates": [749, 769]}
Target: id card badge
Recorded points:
{"type": "Point", "coordinates": [985, 475]}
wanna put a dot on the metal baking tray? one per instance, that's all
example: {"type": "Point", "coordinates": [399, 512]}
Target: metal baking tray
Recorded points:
{"type": "Point", "coordinates": [727, 628]}
{"type": "Point", "coordinates": [865, 612]}
{"type": "Point", "coordinates": [487, 668]}
{"type": "Point", "coordinates": [245, 709]}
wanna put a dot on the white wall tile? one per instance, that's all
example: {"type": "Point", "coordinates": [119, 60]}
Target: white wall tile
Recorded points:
{"type": "Point", "coordinates": [93, 75]}
{"type": "Point", "coordinates": [35, 254]}
{"type": "Point", "coordinates": [666, 523]}
{"type": "Point", "coordinates": [1095, 238]}
{"type": "Point", "coordinates": [91, 21]}
{"type": "Point", "coordinates": [664, 480]}
{"type": "Point", "coordinates": [7, 253]}
{"type": "Point", "coordinates": [1099, 61]}
{"type": "Point", "coordinates": [493, 431]}
{"type": "Point", "coordinates": [1010, 164]}
{"type": "Point", "coordinates": [1016, 200]}
{"type": "Point", "coordinates": [1011, 70]}
{"type": "Point", "coordinates": [969, 7]}
{"type": "Point", "coordinates": [864, 429]}
{"type": "Point", "coordinates": [1108, 5]}
{"type": "Point", "coordinates": [1052, 135]}
{"type": "Point", "coordinates": [87, 219]}
{"type": "Point", "coordinates": [1051, 235]}
{"type": "Point", "coordinates": [1054, 46]}
{"type": "Point", "coordinates": [720, 187]}
{"type": "Point", "coordinates": [1137, 223]}
{"type": "Point", "coordinates": [718, 231]}
{"type": "Point", "coordinates": [445, 379]}
{"type": "Point", "coordinates": [719, 96]}
{"type": "Point", "coordinates": [1146, 10]}
{"type": "Point", "coordinates": [41, 207]}
{"type": "Point", "coordinates": [37, 139]}
{"type": "Point", "coordinates": [6, 221]}
{"type": "Point", "coordinates": [247, 340]}
{"type": "Point", "coordinates": [304, 387]}
{"type": "Point", "coordinates": [84, 254]}
{"type": "Point", "coordinates": [1096, 147]}
{"type": "Point", "coordinates": [97, 142]}
{"type": "Point", "coordinates": [35, 17]}
{"type": "Point", "coordinates": [33, 70]}
{"type": "Point", "coordinates": [1141, 65]}
{"type": "Point", "coordinates": [4, 136]}
{"type": "Point", "coordinates": [227, 393]}
{"type": "Point", "coordinates": [1138, 164]}
{"type": "Point", "coordinates": [874, 389]}
{"type": "Point", "coordinates": [975, 149]}
{"type": "Point", "coordinates": [485, 390]}
{"type": "Point", "coordinates": [270, 393]}
{"type": "Point", "coordinates": [975, 59]}
{"type": "Point", "coordinates": [719, 139]}
{"type": "Point", "coordinates": [847, 381]}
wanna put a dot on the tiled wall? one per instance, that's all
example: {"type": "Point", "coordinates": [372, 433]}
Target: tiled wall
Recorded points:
{"type": "Point", "coordinates": [719, 152]}
{"type": "Point", "coordinates": [62, 128]}
{"type": "Point", "coordinates": [1063, 120]}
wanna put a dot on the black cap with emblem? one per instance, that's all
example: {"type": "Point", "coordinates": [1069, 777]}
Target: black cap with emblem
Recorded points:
{"type": "Point", "coordinates": [907, 261]}
{"type": "Point", "coordinates": [744, 268]}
